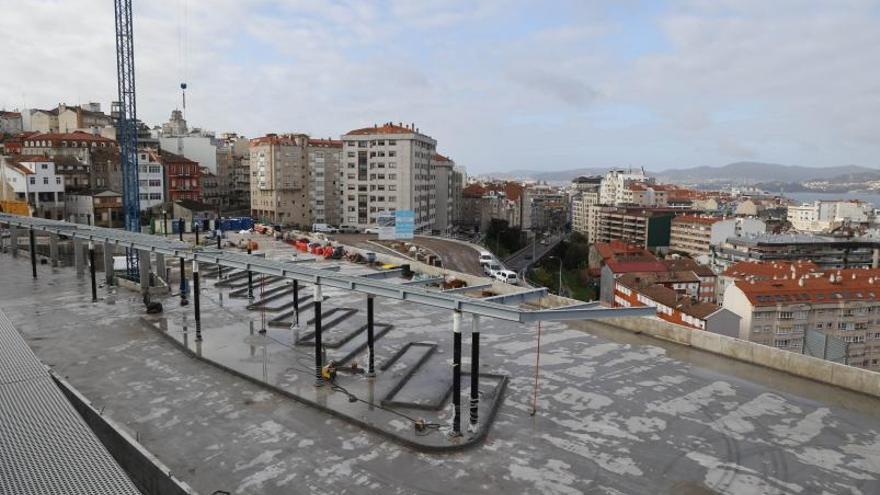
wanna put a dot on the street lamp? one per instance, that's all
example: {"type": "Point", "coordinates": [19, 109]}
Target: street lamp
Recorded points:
{"type": "Point", "coordinates": [559, 290]}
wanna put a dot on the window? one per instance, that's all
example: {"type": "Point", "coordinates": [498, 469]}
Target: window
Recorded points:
{"type": "Point", "coordinates": [44, 166]}
{"type": "Point", "coordinates": [785, 315]}
{"type": "Point", "coordinates": [58, 180]}
{"type": "Point", "coordinates": [33, 180]}
{"type": "Point", "coordinates": [45, 180]}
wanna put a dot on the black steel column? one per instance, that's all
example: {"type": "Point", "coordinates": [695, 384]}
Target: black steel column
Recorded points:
{"type": "Point", "coordinates": [195, 270]}
{"type": "Point", "coordinates": [218, 239]}
{"type": "Point", "coordinates": [456, 373]}
{"type": "Point", "coordinates": [33, 239]}
{"type": "Point", "coordinates": [197, 233]}
{"type": "Point", "coordinates": [296, 302]}
{"type": "Point", "coordinates": [475, 372]}
{"type": "Point", "coordinates": [165, 223]}
{"type": "Point", "coordinates": [319, 362]}
{"type": "Point", "coordinates": [183, 301]}
{"type": "Point", "coordinates": [92, 270]}
{"type": "Point", "coordinates": [180, 227]}
{"type": "Point", "coordinates": [371, 367]}
{"type": "Point", "coordinates": [250, 275]}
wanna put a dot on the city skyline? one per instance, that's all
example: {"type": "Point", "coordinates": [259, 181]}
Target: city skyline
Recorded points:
{"type": "Point", "coordinates": [660, 85]}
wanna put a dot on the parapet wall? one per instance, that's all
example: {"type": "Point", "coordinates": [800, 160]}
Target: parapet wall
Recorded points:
{"type": "Point", "coordinates": [820, 370]}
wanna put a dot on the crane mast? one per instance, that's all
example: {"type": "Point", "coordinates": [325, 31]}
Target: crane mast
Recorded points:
{"type": "Point", "coordinates": [127, 118]}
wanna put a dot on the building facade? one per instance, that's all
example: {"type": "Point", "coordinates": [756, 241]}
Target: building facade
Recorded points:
{"type": "Point", "coordinates": [73, 154]}
{"type": "Point", "coordinates": [782, 312]}
{"type": "Point", "coordinates": [325, 157]}
{"type": "Point", "coordinates": [182, 177]}
{"type": "Point", "coordinates": [695, 235]}
{"type": "Point", "coordinates": [33, 179]}
{"type": "Point", "coordinates": [10, 122]}
{"type": "Point", "coordinates": [102, 209]}
{"type": "Point", "coordinates": [821, 216]}
{"type": "Point", "coordinates": [280, 179]}
{"type": "Point", "coordinates": [648, 227]}
{"type": "Point", "coordinates": [151, 179]}
{"type": "Point", "coordinates": [613, 189]}
{"type": "Point", "coordinates": [388, 168]}
{"type": "Point", "coordinates": [827, 252]}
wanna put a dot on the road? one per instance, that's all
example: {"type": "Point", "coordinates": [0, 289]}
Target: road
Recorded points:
{"type": "Point", "coordinates": [531, 253]}
{"type": "Point", "coordinates": [455, 255]}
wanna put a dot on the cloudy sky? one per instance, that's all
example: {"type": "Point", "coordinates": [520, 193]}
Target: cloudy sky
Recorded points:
{"type": "Point", "coordinates": [506, 84]}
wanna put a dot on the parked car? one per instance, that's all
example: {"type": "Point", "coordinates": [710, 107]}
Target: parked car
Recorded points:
{"type": "Point", "coordinates": [349, 229]}
{"type": "Point", "coordinates": [486, 258]}
{"type": "Point", "coordinates": [324, 228]}
{"type": "Point", "coordinates": [492, 267]}
{"type": "Point", "coordinates": [507, 276]}
{"type": "Point", "coordinates": [371, 230]}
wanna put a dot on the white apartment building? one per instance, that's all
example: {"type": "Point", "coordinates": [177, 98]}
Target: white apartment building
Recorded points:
{"type": "Point", "coordinates": [613, 188]}
{"type": "Point", "coordinates": [151, 179]}
{"type": "Point", "coordinates": [821, 216]}
{"type": "Point", "coordinates": [388, 168]}
{"type": "Point", "coordinates": [33, 179]}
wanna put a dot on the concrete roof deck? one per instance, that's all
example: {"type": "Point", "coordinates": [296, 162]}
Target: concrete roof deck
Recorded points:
{"type": "Point", "coordinates": [617, 413]}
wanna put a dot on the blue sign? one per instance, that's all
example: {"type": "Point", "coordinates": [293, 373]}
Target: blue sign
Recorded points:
{"type": "Point", "coordinates": [404, 224]}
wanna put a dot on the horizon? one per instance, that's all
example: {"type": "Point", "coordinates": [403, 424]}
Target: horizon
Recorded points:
{"type": "Point", "coordinates": [660, 84]}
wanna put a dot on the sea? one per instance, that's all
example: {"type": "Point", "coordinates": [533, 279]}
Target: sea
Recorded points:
{"type": "Point", "coordinates": [809, 197]}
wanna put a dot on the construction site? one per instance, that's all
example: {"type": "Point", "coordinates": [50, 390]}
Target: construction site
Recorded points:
{"type": "Point", "coordinates": [516, 391]}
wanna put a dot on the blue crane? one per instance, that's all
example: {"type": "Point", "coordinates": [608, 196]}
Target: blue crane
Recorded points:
{"type": "Point", "coordinates": [127, 123]}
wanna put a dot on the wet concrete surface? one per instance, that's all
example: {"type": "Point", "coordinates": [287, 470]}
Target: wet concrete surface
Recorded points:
{"type": "Point", "coordinates": [617, 413]}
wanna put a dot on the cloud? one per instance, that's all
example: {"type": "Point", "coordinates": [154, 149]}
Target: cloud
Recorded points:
{"type": "Point", "coordinates": [487, 80]}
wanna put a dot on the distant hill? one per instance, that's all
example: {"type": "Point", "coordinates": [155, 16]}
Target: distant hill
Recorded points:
{"type": "Point", "coordinates": [753, 172]}
{"type": "Point", "coordinates": [736, 173]}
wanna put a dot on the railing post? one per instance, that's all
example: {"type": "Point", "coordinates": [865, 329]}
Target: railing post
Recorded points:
{"type": "Point", "coordinates": [475, 372]}
{"type": "Point", "coordinates": [92, 271]}
{"type": "Point", "coordinates": [371, 367]}
{"type": "Point", "coordinates": [33, 242]}
{"type": "Point", "coordinates": [319, 362]}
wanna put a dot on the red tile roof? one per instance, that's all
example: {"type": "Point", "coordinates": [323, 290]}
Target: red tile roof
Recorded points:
{"type": "Point", "coordinates": [696, 219]}
{"type": "Point", "coordinates": [21, 168]}
{"type": "Point", "coordinates": [618, 248]}
{"type": "Point", "coordinates": [769, 269]}
{"type": "Point", "coordinates": [814, 288]}
{"type": "Point", "coordinates": [684, 263]}
{"type": "Point", "coordinates": [627, 266]}
{"type": "Point", "coordinates": [440, 158]}
{"type": "Point", "coordinates": [69, 136]}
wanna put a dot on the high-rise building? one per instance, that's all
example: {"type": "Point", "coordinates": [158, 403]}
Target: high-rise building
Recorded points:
{"type": "Point", "coordinates": [280, 179]}
{"type": "Point", "coordinates": [449, 181]}
{"type": "Point", "coordinates": [613, 189]}
{"type": "Point", "coordinates": [388, 168]}
{"type": "Point", "coordinates": [324, 157]}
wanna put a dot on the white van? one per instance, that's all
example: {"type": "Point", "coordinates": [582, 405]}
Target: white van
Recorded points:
{"type": "Point", "coordinates": [324, 228]}
{"type": "Point", "coordinates": [486, 258]}
{"type": "Point", "coordinates": [506, 276]}
{"type": "Point", "coordinates": [491, 267]}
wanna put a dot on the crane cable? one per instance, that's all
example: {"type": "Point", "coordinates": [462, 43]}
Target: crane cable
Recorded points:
{"type": "Point", "coordinates": [537, 364]}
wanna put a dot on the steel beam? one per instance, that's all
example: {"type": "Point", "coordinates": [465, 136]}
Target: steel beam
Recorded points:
{"type": "Point", "coordinates": [468, 288]}
{"type": "Point", "coordinates": [392, 273]}
{"type": "Point", "coordinates": [518, 297]}
{"type": "Point", "coordinates": [425, 281]}
{"type": "Point", "coordinates": [312, 275]}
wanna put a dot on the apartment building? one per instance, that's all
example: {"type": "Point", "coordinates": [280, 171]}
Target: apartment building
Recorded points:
{"type": "Point", "coordinates": [73, 154]}
{"type": "Point", "coordinates": [784, 311]}
{"type": "Point", "coordinates": [182, 177]}
{"type": "Point", "coordinates": [761, 271]}
{"type": "Point", "coordinates": [33, 179]}
{"type": "Point", "coordinates": [280, 179]}
{"type": "Point", "coordinates": [325, 157]}
{"type": "Point", "coordinates": [388, 168]}
{"type": "Point", "coordinates": [827, 252]}
{"type": "Point", "coordinates": [102, 209]}
{"type": "Point", "coordinates": [695, 235]}
{"type": "Point", "coordinates": [821, 216]}
{"type": "Point", "coordinates": [648, 227]}
{"type": "Point", "coordinates": [674, 296]}
{"type": "Point", "coordinates": [613, 189]}
{"type": "Point", "coordinates": [151, 179]}
{"type": "Point", "coordinates": [10, 122]}
{"type": "Point", "coordinates": [448, 193]}
{"type": "Point", "coordinates": [645, 194]}
{"type": "Point", "coordinates": [233, 173]}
